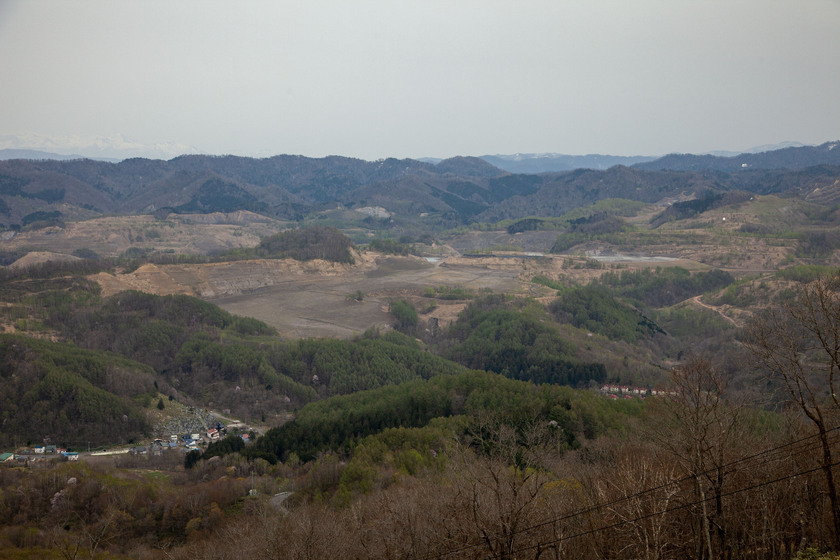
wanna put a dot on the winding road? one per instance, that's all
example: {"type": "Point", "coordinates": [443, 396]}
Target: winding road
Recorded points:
{"type": "Point", "coordinates": [714, 308]}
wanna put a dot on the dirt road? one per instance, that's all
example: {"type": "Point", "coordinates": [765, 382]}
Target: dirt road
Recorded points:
{"type": "Point", "coordinates": [715, 309]}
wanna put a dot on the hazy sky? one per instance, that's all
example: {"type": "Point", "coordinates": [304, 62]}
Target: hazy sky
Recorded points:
{"type": "Point", "coordinates": [394, 78]}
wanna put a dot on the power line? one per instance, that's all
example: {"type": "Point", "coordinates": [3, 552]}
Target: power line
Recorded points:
{"type": "Point", "coordinates": [596, 507]}
{"type": "Point", "coordinates": [672, 509]}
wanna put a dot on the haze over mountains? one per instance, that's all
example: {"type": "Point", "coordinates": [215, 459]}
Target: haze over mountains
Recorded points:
{"type": "Point", "coordinates": [542, 163]}
{"type": "Point", "coordinates": [24, 153]}
{"type": "Point", "coordinates": [106, 148]}
{"type": "Point", "coordinates": [415, 195]}
{"type": "Point", "coordinates": [119, 149]}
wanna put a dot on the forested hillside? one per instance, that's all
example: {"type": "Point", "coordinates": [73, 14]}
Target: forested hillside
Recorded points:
{"type": "Point", "coordinates": [195, 353]}
{"type": "Point", "coordinates": [64, 394]}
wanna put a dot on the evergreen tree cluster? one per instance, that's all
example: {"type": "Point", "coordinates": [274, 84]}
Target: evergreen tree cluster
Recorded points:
{"type": "Point", "coordinates": [662, 287]}
{"type": "Point", "coordinates": [593, 308]}
{"type": "Point", "coordinates": [69, 395]}
{"type": "Point", "coordinates": [338, 423]}
{"type": "Point", "coordinates": [517, 342]}
{"type": "Point", "coordinates": [315, 242]}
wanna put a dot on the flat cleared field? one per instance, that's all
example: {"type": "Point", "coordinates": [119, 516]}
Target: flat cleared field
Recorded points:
{"type": "Point", "coordinates": [310, 299]}
{"type": "Point", "coordinates": [318, 306]}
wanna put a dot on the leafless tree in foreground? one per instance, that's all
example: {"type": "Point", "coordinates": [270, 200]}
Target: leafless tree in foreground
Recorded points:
{"type": "Point", "coordinates": [800, 345]}
{"type": "Point", "coordinates": [700, 427]}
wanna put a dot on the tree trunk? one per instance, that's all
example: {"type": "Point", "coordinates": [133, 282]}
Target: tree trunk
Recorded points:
{"type": "Point", "coordinates": [721, 532]}
{"type": "Point", "coordinates": [832, 488]}
{"type": "Point", "coordinates": [707, 537]}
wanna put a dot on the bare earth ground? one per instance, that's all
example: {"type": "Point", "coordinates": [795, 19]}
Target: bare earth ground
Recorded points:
{"type": "Point", "coordinates": [310, 299]}
{"type": "Point", "coordinates": [319, 306]}
{"type": "Point", "coordinates": [113, 235]}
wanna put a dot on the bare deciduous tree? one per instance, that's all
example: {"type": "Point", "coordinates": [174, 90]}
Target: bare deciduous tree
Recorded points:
{"type": "Point", "coordinates": [700, 427]}
{"type": "Point", "coordinates": [500, 485]}
{"type": "Point", "coordinates": [640, 516]}
{"type": "Point", "coordinates": [800, 345]}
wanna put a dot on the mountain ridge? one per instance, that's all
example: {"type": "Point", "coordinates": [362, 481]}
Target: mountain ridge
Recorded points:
{"type": "Point", "coordinates": [417, 195]}
{"type": "Point", "coordinates": [794, 157]}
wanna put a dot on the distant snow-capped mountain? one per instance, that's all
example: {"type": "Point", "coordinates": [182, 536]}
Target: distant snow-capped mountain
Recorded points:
{"type": "Point", "coordinates": [546, 162]}
{"type": "Point", "coordinates": [102, 147]}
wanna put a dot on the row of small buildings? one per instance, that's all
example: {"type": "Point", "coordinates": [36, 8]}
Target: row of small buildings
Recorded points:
{"type": "Point", "coordinates": [624, 391]}
{"type": "Point", "coordinates": [188, 441]}
{"type": "Point", "coordinates": [38, 453]}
